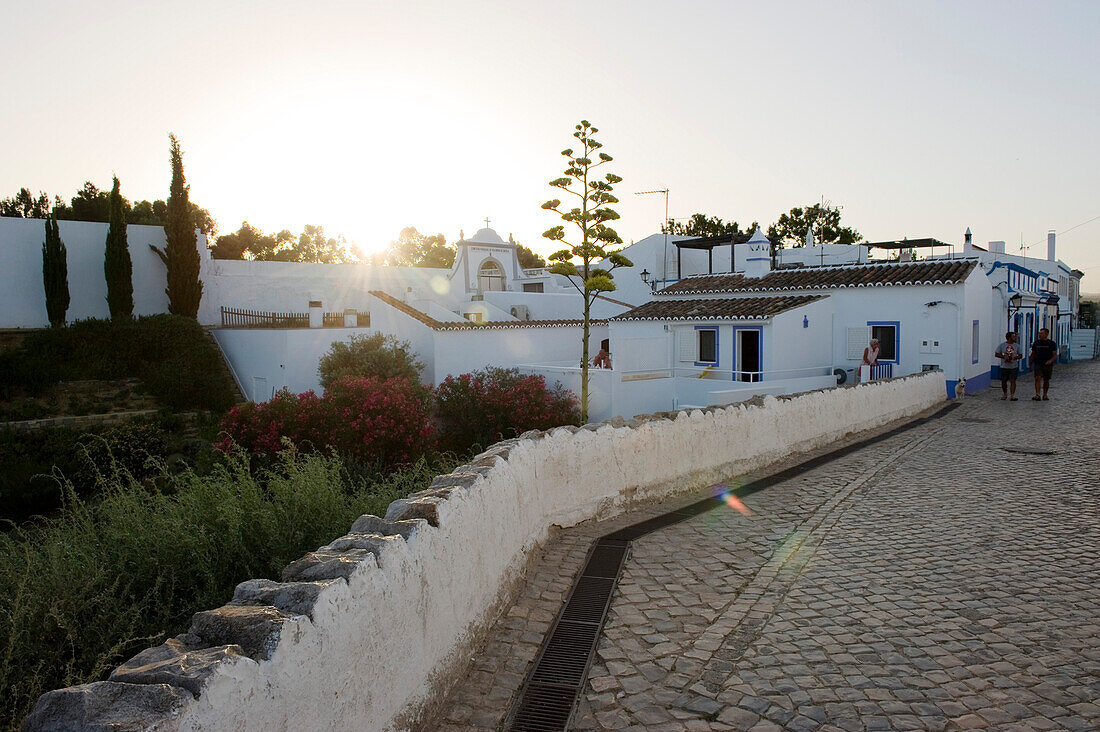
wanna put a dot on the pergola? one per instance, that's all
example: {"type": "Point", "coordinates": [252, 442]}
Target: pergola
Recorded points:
{"type": "Point", "coordinates": [709, 243]}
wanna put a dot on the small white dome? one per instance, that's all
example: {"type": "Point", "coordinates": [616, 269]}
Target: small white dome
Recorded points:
{"type": "Point", "coordinates": [486, 236]}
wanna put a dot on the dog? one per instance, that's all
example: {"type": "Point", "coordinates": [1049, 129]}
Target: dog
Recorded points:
{"type": "Point", "coordinates": [960, 389]}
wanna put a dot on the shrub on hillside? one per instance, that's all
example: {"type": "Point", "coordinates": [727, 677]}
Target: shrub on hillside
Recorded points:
{"type": "Point", "coordinates": [374, 420]}
{"type": "Point", "coordinates": [378, 355]}
{"type": "Point", "coordinates": [493, 404]}
{"type": "Point", "coordinates": [86, 590]}
{"type": "Point", "coordinates": [32, 463]}
{"type": "Point", "coordinates": [172, 356]}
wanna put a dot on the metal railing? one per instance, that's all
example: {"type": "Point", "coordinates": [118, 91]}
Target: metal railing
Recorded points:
{"type": "Point", "coordinates": [241, 318]}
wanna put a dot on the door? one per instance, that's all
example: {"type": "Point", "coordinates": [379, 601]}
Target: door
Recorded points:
{"type": "Point", "coordinates": [748, 355]}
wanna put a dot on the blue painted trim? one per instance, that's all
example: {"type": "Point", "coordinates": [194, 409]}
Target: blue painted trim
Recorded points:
{"type": "Point", "coordinates": [974, 347]}
{"type": "Point", "coordinates": [897, 338]}
{"type": "Point", "coordinates": [979, 383]}
{"type": "Point", "coordinates": [717, 352]}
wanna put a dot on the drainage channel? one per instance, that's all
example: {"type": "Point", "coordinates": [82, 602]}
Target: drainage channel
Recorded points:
{"type": "Point", "coordinates": [549, 695]}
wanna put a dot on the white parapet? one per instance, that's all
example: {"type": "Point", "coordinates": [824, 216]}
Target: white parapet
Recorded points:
{"type": "Point", "coordinates": [368, 631]}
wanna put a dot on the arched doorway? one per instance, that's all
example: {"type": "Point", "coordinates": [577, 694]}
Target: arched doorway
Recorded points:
{"type": "Point", "coordinates": [490, 277]}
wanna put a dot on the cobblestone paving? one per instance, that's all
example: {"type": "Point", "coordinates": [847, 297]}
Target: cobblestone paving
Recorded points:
{"type": "Point", "coordinates": [934, 580]}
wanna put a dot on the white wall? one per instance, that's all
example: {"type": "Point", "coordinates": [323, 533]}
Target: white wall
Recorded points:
{"type": "Point", "coordinates": [376, 625]}
{"type": "Point", "coordinates": [23, 298]}
{"type": "Point", "coordinates": [460, 352]}
{"type": "Point", "coordinates": [282, 357]}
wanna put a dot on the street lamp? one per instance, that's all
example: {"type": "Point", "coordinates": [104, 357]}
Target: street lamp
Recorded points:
{"type": "Point", "coordinates": [1014, 303]}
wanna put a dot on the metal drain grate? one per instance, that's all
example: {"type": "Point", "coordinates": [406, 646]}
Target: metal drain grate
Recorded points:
{"type": "Point", "coordinates": [549, 694]}
{"type": "Point", "coordinates": [543, 708]}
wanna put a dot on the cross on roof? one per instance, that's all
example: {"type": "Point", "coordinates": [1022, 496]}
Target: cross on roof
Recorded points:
{"type": "Point", "coordinates": [486, 222]}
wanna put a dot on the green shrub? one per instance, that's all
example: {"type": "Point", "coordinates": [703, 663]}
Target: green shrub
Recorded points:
{"type": "Point", "coordinates": [31, 463]}
{"type": "Point", "coordinates": [88, 589]}
{"type": "Point", "coordinates": [377, 355]}
{"type": "Point", "coordinates": [171, 355]}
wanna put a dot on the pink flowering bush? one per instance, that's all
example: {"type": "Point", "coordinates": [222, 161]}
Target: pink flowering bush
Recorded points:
{"type": "Point", "coordinates": [494, 404]}
{"type": "Point", "coordinates": [374, 420]}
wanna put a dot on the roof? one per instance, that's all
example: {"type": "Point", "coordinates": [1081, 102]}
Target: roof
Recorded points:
{"type": "Point", "coordinates": [486, 236]}
{"type": "Point", "coordinates": [741, 308]}
{"type": "Point", "coordinates": [936, 272]}
{"type": "Point", "coordinates": [906, 244]}
{"type": "Point", "coordinates": [469, 325]}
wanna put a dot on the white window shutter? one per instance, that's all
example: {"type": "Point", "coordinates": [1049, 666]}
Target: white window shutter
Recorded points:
{"type": "Point", "coordinates": [689, 348]}
{"type": "Point", "coordinates": [858, 338]}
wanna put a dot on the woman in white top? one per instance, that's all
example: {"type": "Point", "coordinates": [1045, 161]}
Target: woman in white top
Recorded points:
{"type": "Point", "coordinates": [870, 353]}
{"type": "Point", "coordinates": [870, 359]}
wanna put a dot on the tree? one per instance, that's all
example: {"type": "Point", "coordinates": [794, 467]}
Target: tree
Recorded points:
{"type": "Point", "coordinates": [703, 225]}
{"type": "Point", "coordinates": [117, 267]}
{"type": "Point", "coordinates": [413, 249]}
{"type": "Point", "coordinates": [55, 274]}
{"type": "Point", "coordinates": [528, 259]}
{"type": "Point", "coordinates": [89, 204]}
{"type": "Point", "coordinates": [791, 228]}
{"type": "Point", "coordinates": [180, 255]}
{"type": "Point", "coordinates": [372, 355]}
{"type": "Point", "coordinates": [590, 217]}
{"type": "Point", "coordinates": [24, 205]}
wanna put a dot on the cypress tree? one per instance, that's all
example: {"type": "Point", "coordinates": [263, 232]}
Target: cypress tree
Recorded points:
{"type": "Point", "coordinates": [55, 274]}
{"type": "Point", "coordinates": [181, 255]}
{"type": "Point", "coordinates": [117, 267]}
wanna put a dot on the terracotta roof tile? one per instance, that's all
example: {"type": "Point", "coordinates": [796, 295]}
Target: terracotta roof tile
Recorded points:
{"type": "Point", "coordinates": [469, 325]}
{"type": "Point", "coordinates": [937, 272]}
{"type": "Point", "coordinates": [739, 308]}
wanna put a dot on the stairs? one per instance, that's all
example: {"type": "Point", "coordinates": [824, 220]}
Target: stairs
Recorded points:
{"type": "Point", "coordinates": [226, 368]}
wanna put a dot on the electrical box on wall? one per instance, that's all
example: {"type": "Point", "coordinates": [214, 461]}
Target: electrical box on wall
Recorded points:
{"type": "Point", "coordinates": [930, 345]}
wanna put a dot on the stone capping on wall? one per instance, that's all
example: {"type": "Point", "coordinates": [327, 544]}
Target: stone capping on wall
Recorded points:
{"type": "Point", "coordinates": [371, 630]}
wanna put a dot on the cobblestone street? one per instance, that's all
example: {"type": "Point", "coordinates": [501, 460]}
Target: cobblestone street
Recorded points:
{"type": "Point", "coordinates": [947, 577]}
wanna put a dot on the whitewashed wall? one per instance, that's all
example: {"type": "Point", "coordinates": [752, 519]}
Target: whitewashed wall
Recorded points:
{"type": "Point", "coordinates": [369, 630]}
{"type": "Point", "coordinates": [23, 298]}
{"type": "Point", "coordinates": [460, 352]}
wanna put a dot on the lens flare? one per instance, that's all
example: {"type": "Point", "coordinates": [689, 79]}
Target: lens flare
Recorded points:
{"type": "Point", "coordinates": [734, 502]}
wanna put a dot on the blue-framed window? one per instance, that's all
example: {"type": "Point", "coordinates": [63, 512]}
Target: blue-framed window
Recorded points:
{"type": "Point", "coordinates": [974, 344]}
{"type": "Point", "coordinates": [888, 333]}
{"type": "Point", "coordinates": [707, 342]}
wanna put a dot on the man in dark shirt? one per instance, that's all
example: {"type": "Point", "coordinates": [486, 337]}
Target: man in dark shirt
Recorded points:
{"type": "Point", "coordinates": [1043, 354]}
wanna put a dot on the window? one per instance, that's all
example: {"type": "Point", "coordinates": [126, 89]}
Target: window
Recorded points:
{"type": "Point", "coordinates": [532, 287]}
{"type": "Point", "coordinates": [974, 344]}
{"type": "Point", "coordinates": [887, 334]}
{"type": "Point", "coordinates": [490, 278]}
{"type": "Point", "coordinates": [708, 345]}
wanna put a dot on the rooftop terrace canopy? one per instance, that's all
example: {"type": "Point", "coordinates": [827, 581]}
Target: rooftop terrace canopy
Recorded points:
{"type": "Point", "coordinates": [709, 243]}
{"type": "Point", "coordinates": [926, 243]}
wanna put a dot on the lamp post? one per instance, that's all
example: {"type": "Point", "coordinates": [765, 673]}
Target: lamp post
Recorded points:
{"type": "Point", "coordinates": [1014, 303]}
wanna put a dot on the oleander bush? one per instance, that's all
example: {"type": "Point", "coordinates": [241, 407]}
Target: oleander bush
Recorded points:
{"type": "Point", "coordinates": [103, 579]}
{"type": "Point", "coordinates": [493, 404]}
{"type": "Point", "coordinates": [374, 420]}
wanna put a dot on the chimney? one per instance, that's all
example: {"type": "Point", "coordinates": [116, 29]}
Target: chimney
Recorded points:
{"type": "Point", "coordinates": [316, 312]}
{"type": "Point", "coordinates": [759, 261]}
{"type": "Point", "coordinates": [997, 247]}
{"type": "Point", "coordinates": [968, 241]}
{"type": "Point", "coordinates": [1050, 247]}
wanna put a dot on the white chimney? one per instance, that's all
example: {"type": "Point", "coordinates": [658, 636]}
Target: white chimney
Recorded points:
{"type": "Point", "coordinates": [997, 247]}
{"type": "Point", "coordinates": [759, 261]}
{"type": "Point", "coordinates": [316, 313]}
{"type": "Point", "coordinates": [1050, 247]}
{"type": "Point", "coordinates": [968, 242]}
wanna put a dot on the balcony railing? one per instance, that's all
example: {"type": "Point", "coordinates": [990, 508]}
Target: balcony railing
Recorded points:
{"type": "Point", "coordinates": [240, 318]}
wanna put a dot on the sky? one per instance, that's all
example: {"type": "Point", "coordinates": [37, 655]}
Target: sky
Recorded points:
{"type": "Point", "coordinates": [918, 119]}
